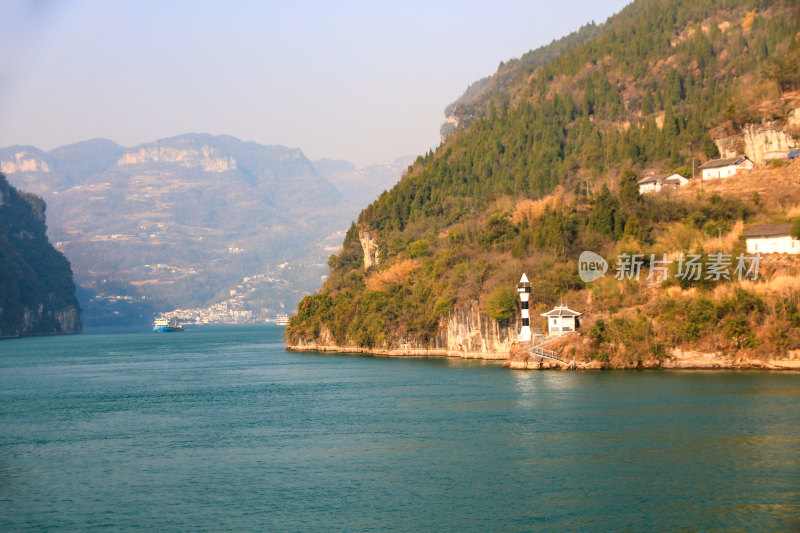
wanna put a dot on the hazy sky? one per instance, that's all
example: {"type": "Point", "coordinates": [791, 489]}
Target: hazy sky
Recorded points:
{"type": "Point", "coordinates": [363, 81]}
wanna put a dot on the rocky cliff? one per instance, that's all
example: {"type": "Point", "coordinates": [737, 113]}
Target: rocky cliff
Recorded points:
{"type": "Point", "coordinates": [764, 141]}
{"type": "Point", "coordinates": [37, 294]}
{"type": "Point", "coordinates": [204, 157]}
{"type": "Point", "coordinates": [466, 332]}
{"type": "Point", "coordinates": [470, 332]}
{"type": "Point", "coordinates": [369, 243]}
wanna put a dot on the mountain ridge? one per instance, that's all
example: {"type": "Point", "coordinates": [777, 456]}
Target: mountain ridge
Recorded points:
{"type": "Point", "coordinates": [213, 209]}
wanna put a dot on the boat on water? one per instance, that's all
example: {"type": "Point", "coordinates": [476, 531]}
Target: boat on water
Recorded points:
{"type": "Point", "coordinates": [165, 325]}
{"type": "Point", "coordinates": [282, 319]}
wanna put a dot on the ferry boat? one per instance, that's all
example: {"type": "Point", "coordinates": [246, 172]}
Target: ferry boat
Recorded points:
{"type": "Point", "coordinates": [164, 325]}
{"type": "Point", "coordinates": [282, 319]}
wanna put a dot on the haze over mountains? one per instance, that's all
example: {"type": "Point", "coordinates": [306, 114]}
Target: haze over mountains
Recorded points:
{"type": "Point", "coordinates": [362, 185]}
{"type": "Point", "coordinates": [179, 222]}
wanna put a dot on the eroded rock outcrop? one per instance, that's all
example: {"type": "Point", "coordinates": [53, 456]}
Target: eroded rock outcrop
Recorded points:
{"type": "Point", "coordinates": [762, 142]}
{"type": "Point", "coordinates": [205, 158]}
{"type": "Point", "coordinates": [469, 331]}
{"type": "Point", "coordinates": [369, 243]}
{"type": "Point", "coordinates": [23, 162]}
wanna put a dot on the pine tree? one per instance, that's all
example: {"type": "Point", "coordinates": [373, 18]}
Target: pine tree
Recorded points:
{"type": "Point", "coordinates": [628, 189]}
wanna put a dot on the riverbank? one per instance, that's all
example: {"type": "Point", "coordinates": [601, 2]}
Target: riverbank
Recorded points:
{"type": "Point", "coordinates": [399, 352]}
{"type": "Point", "coordinates": [517, 359]}
{"type": "Point", "coordinates": [679, 360]}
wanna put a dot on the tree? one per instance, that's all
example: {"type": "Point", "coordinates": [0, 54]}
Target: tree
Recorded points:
{"type": "Point", "coordinates": [628, 189]}
{"type": "Point", "coordinates": [796, 229]}
{"type": "Point", "coordinates": [783, 69]}
{"type": "Point", "coordinates": [633, 229]}
{"type": "Point", "coordinates": [604, 217]}
{"type": "Point", "coordinates": [647, 103]}
{"type": "Point", "coordinates": [501, 303]}
{"type": "Point", "coordinates": [498, 228]}
{"type": "Point", "coordinates": [710, 148]}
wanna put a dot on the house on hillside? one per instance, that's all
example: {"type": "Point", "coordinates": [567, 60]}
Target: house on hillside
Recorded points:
{"type": "Point", "coordinates": [562, 320]}
{"type": "Point", "coordinates": [771, 239]}
{"type": "Point", "coordinates": [725, 168]}
{"type": "Point", "coordinates": [656, 182]}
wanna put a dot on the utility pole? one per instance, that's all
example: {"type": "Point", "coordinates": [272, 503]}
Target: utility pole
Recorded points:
{"type": "Point", "coordinates": [700, 187]}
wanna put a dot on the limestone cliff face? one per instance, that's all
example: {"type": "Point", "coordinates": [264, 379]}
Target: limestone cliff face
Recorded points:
{"type": "Point", "coordinates": [204, 158]}
{"type": "Point", "coordinates": [369, 244]}
{"type": "Point", "coordinates": [466, 332]}
{"type": "Point", "coordinates": [48, 317]}
{"type": "Point", "coordinates": [23, 162]}
{"type": "Point", "coordinates": [762, 142]}
{"type": "Point", "coordinates": [793, 119]}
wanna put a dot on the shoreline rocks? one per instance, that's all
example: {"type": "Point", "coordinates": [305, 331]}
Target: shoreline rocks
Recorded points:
{"type": "Point", "coordinates": [515, 360]}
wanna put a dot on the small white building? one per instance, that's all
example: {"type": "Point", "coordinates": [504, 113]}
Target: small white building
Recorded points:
{"type": "Point", "coordinates": [771, 239]}
{"type": "Point", "coordinates": [561, 320]}
{"type": "Point", "coordinates": [725, 168]}
{"type": "Point", "coordinates": [655, 183]}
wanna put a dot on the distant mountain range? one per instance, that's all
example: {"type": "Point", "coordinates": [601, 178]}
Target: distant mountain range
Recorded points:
{"type": "Point", "coordinates": [179, 221]}
{"type": "Point", "coordinates": [362, 185]}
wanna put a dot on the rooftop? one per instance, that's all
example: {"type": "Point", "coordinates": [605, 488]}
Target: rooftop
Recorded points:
{"type": "Point", "coordinates": [768, 230]}
{"type": "Point", "coordinates": [719, 163]}
{"type": "Point", "coordinates": [655, 178]}
{"type": "Point", "coordinates": [561, 310]}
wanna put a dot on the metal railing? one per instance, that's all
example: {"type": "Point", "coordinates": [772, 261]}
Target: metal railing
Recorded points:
{"type": "Point", "coordinates": [548, 354]}
{"type": "Point", "coordinates": [536, 348]}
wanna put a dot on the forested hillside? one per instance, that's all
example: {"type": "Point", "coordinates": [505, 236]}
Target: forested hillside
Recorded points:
{"type": "Point", "coordinates": [550, 169]}
{"type": "Point", "coordinates": [472, 104]}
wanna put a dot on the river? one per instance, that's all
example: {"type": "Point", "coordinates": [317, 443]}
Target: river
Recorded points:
{"type": "Point", "coordinates": [221, 429]}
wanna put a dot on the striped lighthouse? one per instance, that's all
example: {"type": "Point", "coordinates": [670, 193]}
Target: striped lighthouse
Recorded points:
{"type": "Point", "coordinates": [524, 290]}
